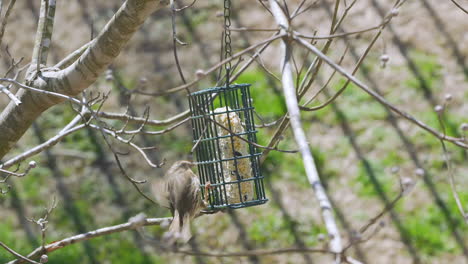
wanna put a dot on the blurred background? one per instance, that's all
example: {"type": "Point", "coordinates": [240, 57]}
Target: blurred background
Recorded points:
{"type": "Point", "coordinates": [356, 146]}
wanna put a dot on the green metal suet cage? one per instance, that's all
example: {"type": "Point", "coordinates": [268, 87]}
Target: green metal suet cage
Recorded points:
{"type": "Point", "coordinates": [224, 135]}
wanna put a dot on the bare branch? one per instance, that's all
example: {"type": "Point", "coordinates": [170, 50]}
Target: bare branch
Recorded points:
{"type": "Point", "coordinates": [439, 109]}
{"type": "Point", "coordinates": [299, 135]}
{"type": "Point", "coordinates": [42, 222]}
{"type": "Point", "coordinates": [303, 108]}
{"type": "Point", "coordinates": [39, 148]}
{"type": "Point", "coordinates": [185, 7]}
{"type": "Point", "coordinates": [12, 97]}
{"type": "Point", "coordinates": [175, 40]}
{"type": "Point", "coordinates": [306, 83]}
{"type": "Point", "coordinates": [5, 19]}
{"type": "Point", "coordinates": [72, 57]}
{"type": "Point", "coordinates": [48, 30]}
{"type": "Point", "coordinates": [255, 29]}
{"type": "Point", "coordinates": [457, 141]}
{"type": "Point", "coordinates": [37, 90]}
{"type": "Point", "coordinates": [300, 11]}
{"type": "Point", "coordinates": [91, 234]}
{"type": "Point", "coordinates": [16, 254]}
{"type": "Point", "coordinates": [133, 181]}
{"type": "Point", "coordinates": [249, 62]}
{"type": "Point", "coordinates": [31, 165]}
{"type": "Point", "coordinates": [211, 70]}
{"type": "Point", "coordinates": [79, 75]}
{"type": "Point", "coordinates": [42, 41]}
{"type": "Point", "coordinates": [138, 120]}
{"type": "Point", "coordinates": [115, 135]}
{"type": "Point", "coordinates": [344, 34]}
{"type": "Point", "coordinates": [459, 6]}
{"type": "Point", "coordinates": [257, 252]}
{"type": "Point", "coordinates": [358, 64]}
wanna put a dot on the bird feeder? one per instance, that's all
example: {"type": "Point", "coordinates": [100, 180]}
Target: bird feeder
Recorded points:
{"type": "Point", "coordinates": [224, 135]}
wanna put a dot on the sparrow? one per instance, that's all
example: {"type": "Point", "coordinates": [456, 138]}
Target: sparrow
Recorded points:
{"type": "Point", "coordinates": [179, 191]}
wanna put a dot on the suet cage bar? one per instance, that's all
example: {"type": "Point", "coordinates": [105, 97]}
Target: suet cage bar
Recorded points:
{"type": "Point", "coordinates": [224, 135]}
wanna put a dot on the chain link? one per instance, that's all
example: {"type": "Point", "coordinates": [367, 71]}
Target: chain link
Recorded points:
{"type": "Point", "coordinates": [227, 37]}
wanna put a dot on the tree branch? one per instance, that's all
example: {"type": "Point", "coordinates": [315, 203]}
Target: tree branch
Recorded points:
{"type": "Point", "coordinates": [457, 141]}
{"type": "Point", "coordinates": [15, 120]}
{"type": "Point", "coordinates": [257, 252]}
{"type": "Point", "coordinates": [298, 131]}
{"type": "Point", "coordinates": [140, 120]}
{"type": "Point", "coordinates": [16, 254]}
{"type": "Point", "coordinates": [92, 234]}
{"type": "Point", "coordinates": [5, 18]}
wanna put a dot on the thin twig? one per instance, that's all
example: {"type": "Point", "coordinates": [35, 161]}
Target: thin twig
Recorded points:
{"type": "Point", "coordinates": [5, 19]}
{"type": "Point", "coordinates": [209, 71]}
{"type": "Point", "coordinates": [12, 97]}
{"type": "Point", "coordinates": [31, 165]}
{"type": "Point", "coordinates": [72, 57]}
{"type": "Point", "coordinates": [175, 41]}
{"type": "Point", "coordinates": [459, 6]}
{"type": "Point", "coordinates": [39, 148]}
{"type": "Point", "coordinates": [299, 12]}
{"type": "Point", "coordinates": [255, 29]}
{"type": "Point", "coordinates": [339, 35]}
{"type": "Point", "coordinates": [139, 120]}
{"type": "Point", "coordinates": [256, 252]}
{"type": "Point", "coordinates": [16, 254]}
{"type": "Point", "coordinates": [457, 141]}
{"type": "Point", "coordinates": [303, 108]}
{"type": "Point", "coordinates": [185, 7]}
{"type": "Point", "coordinates": [453, 186]}
{"type": "Point", "coordinates": [132, 181]}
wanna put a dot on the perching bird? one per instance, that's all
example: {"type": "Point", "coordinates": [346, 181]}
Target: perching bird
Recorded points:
{"type": "Point", "coordinates": [179, 191]}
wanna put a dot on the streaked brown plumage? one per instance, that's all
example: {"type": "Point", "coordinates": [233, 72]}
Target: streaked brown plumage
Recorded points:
{"type": "Point", "coordinates": [179, 191]}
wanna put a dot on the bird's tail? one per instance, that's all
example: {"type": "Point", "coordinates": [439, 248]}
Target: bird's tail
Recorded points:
{"type": "Point", "coordinates": [174, 228]}
{"type": "Point", "coordinates": [179, 231]}
{"type": "Point", "coordinates": [185, 233]}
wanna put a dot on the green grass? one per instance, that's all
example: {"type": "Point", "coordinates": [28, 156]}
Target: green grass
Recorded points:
{"type": "Point", "coordinates": [176, 144]}
{"type": "Point", "coordinates": [266, 102]}
{"type": "Point", "coordinates": [429, 68]}
{"type": "Point", "coordinates": [121, 248]}
{"type": "Point", "coordinates": [367, 185]}
{"type": "Point", "coordinates": [359, 105]}
{"type": "Point", "coordinates": [270, 227]}
{"type": "Point", "coordinates": [14, 240]}
{"type": "Point", "coordinates": [312, 235]}
{"type": "Point", "coordinates": [69, 254]}
{"type": "Point", "coordinates": [393, 158]}
{"type": "Point", "coordinates": [288, 166]}
{"type": "Point", "coordinates": [430, 232]}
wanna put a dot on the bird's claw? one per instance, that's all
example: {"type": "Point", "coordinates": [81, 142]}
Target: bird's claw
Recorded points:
{"type": "Point", "coordinates": [208, 187]}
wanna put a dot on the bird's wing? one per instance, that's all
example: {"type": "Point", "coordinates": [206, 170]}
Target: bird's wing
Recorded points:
{"type": "Point", "coordinates": [179, 185]}
{"type": "Point", "coordinates": [160, 191]}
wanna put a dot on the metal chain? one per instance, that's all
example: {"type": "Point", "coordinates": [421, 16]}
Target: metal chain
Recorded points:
{"type": "Point", "coordinates": [227, 38]}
